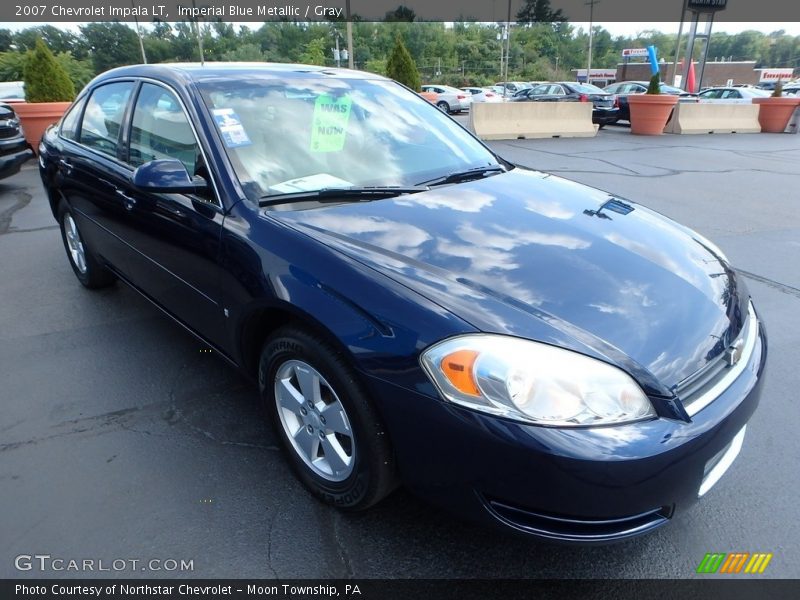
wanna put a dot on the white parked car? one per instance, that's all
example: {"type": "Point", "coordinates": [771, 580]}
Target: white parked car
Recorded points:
{"type": "Point", "coordinates": [451, 100]}
{"type": "Point", "coordinates": [512, 87]}
{"type": "Point", "coordinates": [732, 95]}
{"type": "Point", "coordinates": [482, 94]}
{"type": "Point", "coordinates": [12, 91]}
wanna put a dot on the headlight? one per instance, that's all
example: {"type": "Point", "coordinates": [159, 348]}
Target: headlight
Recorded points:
{"type": "Point", "coordinates": [533, 382]}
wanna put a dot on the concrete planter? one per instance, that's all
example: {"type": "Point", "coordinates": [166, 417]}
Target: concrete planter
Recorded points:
{"type": "Point", "coordinates": [774, 113]}
{"type": "Point", "coordinates": [650, 112]}
{"type": "Point", "coordinates": [37, 117]}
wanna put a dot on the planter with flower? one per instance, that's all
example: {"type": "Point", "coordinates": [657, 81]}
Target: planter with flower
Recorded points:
{"type": "Point", "coordinates": [775, 111]}
{"type": "Point", "coordinates": [48, 93]}
{"type": "Point", "coordinates": [651, 111]}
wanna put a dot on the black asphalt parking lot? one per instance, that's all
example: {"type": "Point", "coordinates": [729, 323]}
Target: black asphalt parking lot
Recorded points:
{"type": "Point", "coordinates": [121, 439]}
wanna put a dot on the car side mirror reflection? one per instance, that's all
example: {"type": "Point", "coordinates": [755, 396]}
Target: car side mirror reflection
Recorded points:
{"type": "Point", "coordinates": [168, 176]}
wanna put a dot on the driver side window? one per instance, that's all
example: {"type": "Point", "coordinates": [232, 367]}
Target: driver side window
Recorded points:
{"type": "Point", "coordinates": [161, 129]}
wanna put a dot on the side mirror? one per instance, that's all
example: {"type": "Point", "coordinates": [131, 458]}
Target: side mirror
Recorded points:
{"type": "Point", "coordinates": [167, 176]}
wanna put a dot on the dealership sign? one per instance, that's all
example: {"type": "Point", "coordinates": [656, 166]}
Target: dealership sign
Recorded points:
{"type": "Point", "coordinates": [628, 52]}
{"type": "Point", "coordinates": [706, 5]}
{"type": "Point", "coordinates": [597, 73]}
{"type": "Point", "coordinates": [776, 74]}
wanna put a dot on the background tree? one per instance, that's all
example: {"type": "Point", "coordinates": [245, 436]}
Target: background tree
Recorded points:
{"type": "Point", "coordinates": [6, 39]}
{"type": "Point", "coordinates": [400, 14]}
{"type": "Point", "coordinates": [111, 45]}
{"type": "Point", "coordinates": [401, 66]}
{"type": "Point", "coordinates": [314, 53]}
{"type": "Point", "coordinates": [45, 79]}
{"type": "Point", "coordinates": [539, 11]}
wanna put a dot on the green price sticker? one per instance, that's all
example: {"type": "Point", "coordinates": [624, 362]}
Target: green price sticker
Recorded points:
{"type": "Point", "coordinates": [330, 123]}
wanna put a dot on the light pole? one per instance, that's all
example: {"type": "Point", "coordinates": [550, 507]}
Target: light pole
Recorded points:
{"type": "Point", "coordinates": [139, 35]}
{"type": "Point", "coordinates": [591, 4]}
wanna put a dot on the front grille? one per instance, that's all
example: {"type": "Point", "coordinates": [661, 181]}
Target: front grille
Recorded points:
{"type": "Point", "coordinates": [8, 132]}
{"type": "Point", "coordinates": [701, 388]}
{"type": "Point", "coordinates": [577, 529]}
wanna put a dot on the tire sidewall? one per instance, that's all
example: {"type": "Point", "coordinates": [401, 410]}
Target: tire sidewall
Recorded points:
{"type": "Point", "coordinates": [349, 493]}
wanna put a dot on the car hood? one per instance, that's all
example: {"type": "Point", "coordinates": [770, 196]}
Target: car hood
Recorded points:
{"type": "Point", "coordinates": [534, 255]}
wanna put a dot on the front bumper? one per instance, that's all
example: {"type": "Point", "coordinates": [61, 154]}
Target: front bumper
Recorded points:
{"type": "Point", "coordinates": [584, 485]}
{"type": "Point", "coordinates": [13, 152]}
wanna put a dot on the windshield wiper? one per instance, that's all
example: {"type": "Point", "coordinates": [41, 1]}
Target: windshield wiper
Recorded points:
{"type": "Point", "coordinates": [351, 194]}
{"type": "Point", "coordinates": [460, 176]}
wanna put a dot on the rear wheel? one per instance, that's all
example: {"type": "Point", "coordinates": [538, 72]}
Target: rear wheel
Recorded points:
{"type": "Point", "coordinates": [443, 106]}
{"type": "Point", "coordinates": [333, 438]}
{"type": "Point", "coordinates": [87, 269]}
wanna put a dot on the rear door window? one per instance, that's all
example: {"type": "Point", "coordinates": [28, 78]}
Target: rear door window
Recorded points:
{"type": "Point", "coordinates": [102, 119]}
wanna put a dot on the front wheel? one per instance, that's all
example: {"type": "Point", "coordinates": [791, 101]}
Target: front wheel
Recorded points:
{"type": "Point", "coordinates": [87, 269]}
{"type": "Point", "coordinates": [334, 439]}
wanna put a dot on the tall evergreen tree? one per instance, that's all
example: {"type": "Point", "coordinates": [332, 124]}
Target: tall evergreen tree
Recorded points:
{"type": "Point", "coordinates": [45, 79]}
{"type": "Point", "coordinates": [401, 67]}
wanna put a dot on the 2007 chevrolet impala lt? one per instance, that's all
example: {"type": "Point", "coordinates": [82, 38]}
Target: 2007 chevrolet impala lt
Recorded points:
{"type": "Point", "coordinates": [519, 348]}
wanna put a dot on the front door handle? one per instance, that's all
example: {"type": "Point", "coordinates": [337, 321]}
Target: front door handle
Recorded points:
{"type": "Point", "coordinates": [128, 201]}
{"type": "Point", "coordinates": [65, 166]}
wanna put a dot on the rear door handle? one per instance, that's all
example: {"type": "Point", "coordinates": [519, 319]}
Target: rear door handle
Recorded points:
{"type": "Point", "coordinates": [128, 201]}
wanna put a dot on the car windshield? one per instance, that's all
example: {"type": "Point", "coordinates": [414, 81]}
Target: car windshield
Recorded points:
{"type": "Point", "coordinates": [303, 135]}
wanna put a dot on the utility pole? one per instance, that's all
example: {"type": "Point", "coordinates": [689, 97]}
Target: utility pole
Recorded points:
{"type": "Point", "coordinates": [678, 47]}
{"type": "Point", "coordinates": [590, 4]}
{"type": "Point", "coordinates": [508, 44]}
{"type": "Point", "coordinates": [349, 36]}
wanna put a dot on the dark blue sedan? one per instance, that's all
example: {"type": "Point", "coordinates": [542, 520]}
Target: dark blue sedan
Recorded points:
{"type": "Point", "coordinates": [519, 348]}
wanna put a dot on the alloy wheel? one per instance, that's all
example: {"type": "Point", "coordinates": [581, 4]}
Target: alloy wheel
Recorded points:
{"type": "Point", "coordinates": [314, 420]}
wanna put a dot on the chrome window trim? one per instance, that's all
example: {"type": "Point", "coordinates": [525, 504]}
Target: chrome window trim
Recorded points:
{"type": "Point", "coordinates": [751, 338]}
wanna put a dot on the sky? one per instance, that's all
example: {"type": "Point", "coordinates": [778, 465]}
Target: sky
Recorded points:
{"type": "Point", "coordinates": [631, 29]}
{"type": "Point", "coordinates": [615, 28]}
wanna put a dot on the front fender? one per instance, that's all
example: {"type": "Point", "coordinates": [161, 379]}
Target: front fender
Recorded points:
{"type": "Point", "coordinates": [277, 275]}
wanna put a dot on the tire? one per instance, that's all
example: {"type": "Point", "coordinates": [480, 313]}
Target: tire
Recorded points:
{"type": "Point", "coordinates": [346, 459]}
{"type": "Point", "coordinates": [86, 267]}
{"type": "Point", "coordinates": [443, 106]}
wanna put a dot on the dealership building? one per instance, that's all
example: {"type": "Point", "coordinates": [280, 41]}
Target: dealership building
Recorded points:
{"type": "Point", "coordinates": [716, 73]}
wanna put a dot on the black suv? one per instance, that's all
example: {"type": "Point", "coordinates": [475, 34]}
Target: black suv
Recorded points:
{"type": "Point", "coordinates": [14, 149]}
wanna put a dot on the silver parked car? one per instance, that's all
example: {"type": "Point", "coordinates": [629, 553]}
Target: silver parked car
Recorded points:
{"type": "Point", "coordinates": [731, 95]}
{"type": "Point", "coordinates": [451, 100]}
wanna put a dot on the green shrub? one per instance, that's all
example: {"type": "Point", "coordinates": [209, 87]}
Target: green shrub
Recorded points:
{"type": "Point", "coordinates": [655, 84]}
{"type": "Point", "coordinates": [401, 67]}
{"type": "Point", "coordinates": [778, 91]}
{"type": "Point", "coordinates": [45, 79]}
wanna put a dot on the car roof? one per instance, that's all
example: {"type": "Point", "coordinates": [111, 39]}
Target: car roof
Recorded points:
{"type": "Point", "coordinates": [197, 72]}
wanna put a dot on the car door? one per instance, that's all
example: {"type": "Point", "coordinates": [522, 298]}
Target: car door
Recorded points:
{"type": "Point", "coordinates": [176, 237]}
{"type": "Point", "coordinates": [91, 173]}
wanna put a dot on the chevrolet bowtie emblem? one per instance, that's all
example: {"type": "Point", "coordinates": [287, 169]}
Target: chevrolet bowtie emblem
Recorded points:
{"type": "Point", "coordinates": [734, 353]}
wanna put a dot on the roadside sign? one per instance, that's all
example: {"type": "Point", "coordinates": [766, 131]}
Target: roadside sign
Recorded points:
{"type": "Point", "coordinates": [776, 74]}
{"type": "Point", "coordinates": [629, 52]}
